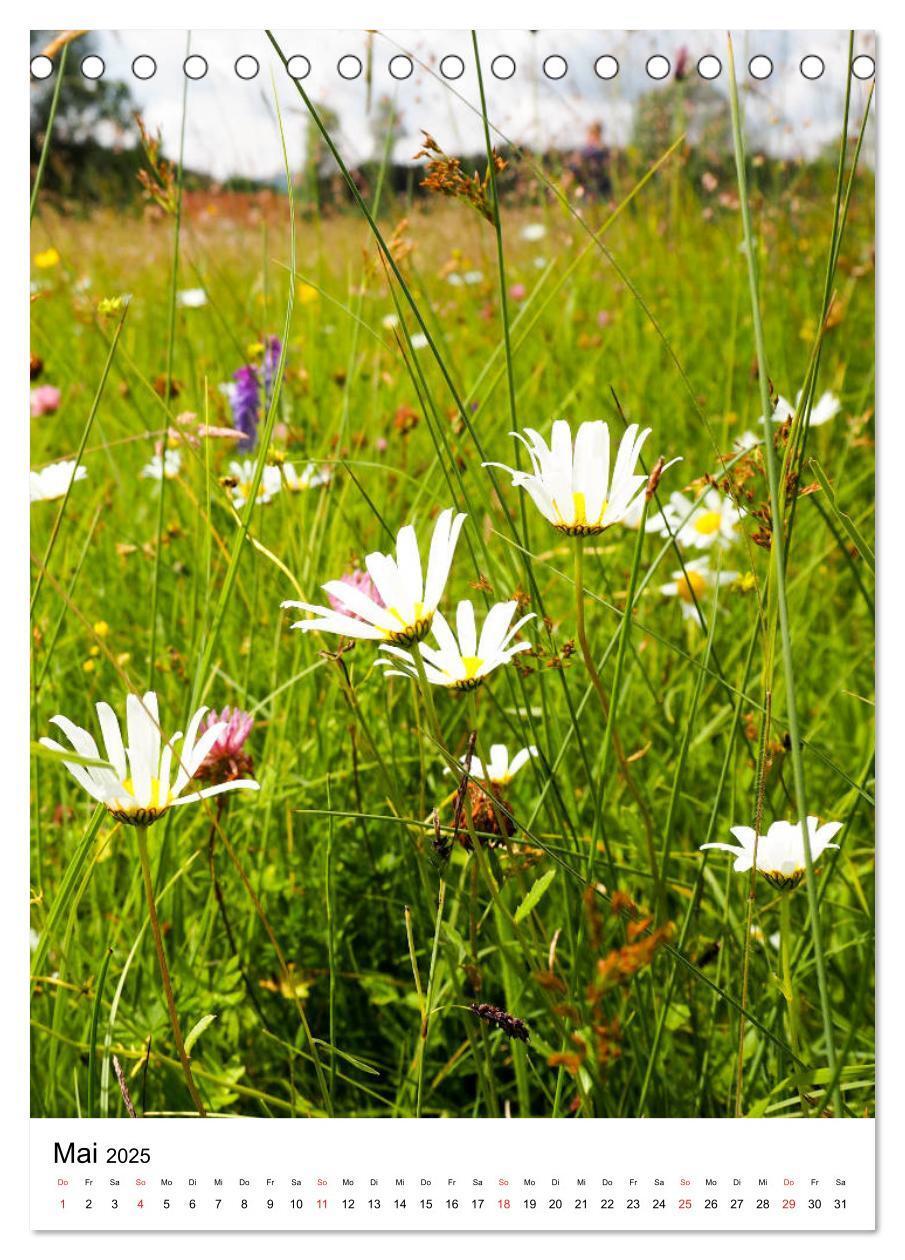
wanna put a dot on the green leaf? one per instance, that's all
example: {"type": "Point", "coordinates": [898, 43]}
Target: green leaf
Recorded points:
{"type": "Point", "coordinates": [534, 894]}
{"type": "Point", "coordinates": [204, 1022]}
{"type": "Point", "coordinates": [51, 754]}
{"type": "Point", "coordinates": [844, 520]}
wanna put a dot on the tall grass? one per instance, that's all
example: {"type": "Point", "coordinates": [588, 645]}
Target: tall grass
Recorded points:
{"type": "Point", "coordinates": [339, 952]}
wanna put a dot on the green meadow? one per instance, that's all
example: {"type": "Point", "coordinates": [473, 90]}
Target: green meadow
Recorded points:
{"type": "Point", "coordinates": [329, 937]}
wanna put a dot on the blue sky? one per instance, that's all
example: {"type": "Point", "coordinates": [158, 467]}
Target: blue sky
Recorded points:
{"type": "Point", "coordinates": [231, 128]}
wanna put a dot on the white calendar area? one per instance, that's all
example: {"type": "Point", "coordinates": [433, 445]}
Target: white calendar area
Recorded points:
{"type": "Point", "coordinates": [452, 1174]}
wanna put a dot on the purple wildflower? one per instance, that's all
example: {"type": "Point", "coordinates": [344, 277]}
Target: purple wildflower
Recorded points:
{"type": "Point", "coordinates": [243, 399]}
{"type": "Point", "coordinates": [273, 348]}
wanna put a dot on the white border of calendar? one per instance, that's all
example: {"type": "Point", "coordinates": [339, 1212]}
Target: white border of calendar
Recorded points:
{"type": "Point", "coordinates": [653, 15]}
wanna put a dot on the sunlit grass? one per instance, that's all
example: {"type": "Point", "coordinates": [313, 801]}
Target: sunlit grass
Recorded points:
{"type": "Point", "coordinates": [323, 904]}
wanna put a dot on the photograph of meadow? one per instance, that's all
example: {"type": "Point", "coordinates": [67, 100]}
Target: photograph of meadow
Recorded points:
{"type": "Point", "coordinates": [452, 575]}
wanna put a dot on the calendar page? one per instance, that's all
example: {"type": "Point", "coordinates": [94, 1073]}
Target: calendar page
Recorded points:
{"type": "Point", "coordinates": [452, 630]}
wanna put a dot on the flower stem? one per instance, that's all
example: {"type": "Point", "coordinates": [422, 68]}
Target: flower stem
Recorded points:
{"type": "Point", "coordinates": [785, 950]}
{"type": "Point", "coordinates": [612, 735]}
{"type": "Point", "coordinates": [752, 897]}
{"type": "Point", "coordinates": [142, 833]}
{"type": "Point", "coordinates": [428, 998]}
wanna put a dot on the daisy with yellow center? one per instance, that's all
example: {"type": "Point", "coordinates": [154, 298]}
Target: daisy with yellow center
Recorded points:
{"type": "Point", "coordinates": [241, 479]}
{"type": "Point", "coordinates": [462, 663]}
{"type": "Point", "coordinates": [692, 586]}
{"type": "Point", "coordinates": [780, 854]}
{"type": "Point", "coordinates": [408, 601]}
{"type": "Point", "coordinates": [135, 786]}
{"type": "Point", "coordinates": [572, 485]}
{"type": "Point", "coordinates": [499, 770]}
{"type": "Point", "coordinates": [306, 479]}
{"type": "Point", "coordinates": [712, 521]}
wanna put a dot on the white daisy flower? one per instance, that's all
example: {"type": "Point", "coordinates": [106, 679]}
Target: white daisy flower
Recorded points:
{"type": "Point", "coordinates": [780, 853]}
{"type": "Point", "coordinates": [454, 279]}
{"type": "Point", "coordinates": [464, 665]}
{"type": "Point", "coordinates": [307, 479]}
{"type": "Point", "coordinates": [540, 263]}
{"type": "Point", "coordinates": [473, 277]}
{"type": "Point", "coordinates": [409, 601]}
{"type": "Point", "coordinates": [136, 787]}
{"type": "Point", "coordinates": [784, 410]}
{"type": "Point", "coordinates": [242, 473]}
{"type": "Point", "coordinates": [168, 467]}
{"type": "Point", "coordinates": [499, 770]}
{"type": "Point", "coordinates": [53, 481]}
{"type": "Point", "coordinates": [191, 297]}
{"type": "Point", "coordinates": [713, 521]}
{"type": "Point", "coordinates": [419, 341]}
{"type": "Point", "coordinates": [574, 489]}
{"type": "Point", "coordinates": [391, 320]}
{"type": "Point", "coordinates": [746, 441]}
{"type": "Point", "coordinates": [827, 407]}
{"type": "Point", "coordinates": [533, 232]}
{"type": "Point", "coordinates": [699, 581]}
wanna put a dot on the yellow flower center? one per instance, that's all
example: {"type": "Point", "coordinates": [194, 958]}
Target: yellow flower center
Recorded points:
{"type": "Point", "coordinates": [405, 633]}
{"type": "Point", "coordinates": [157, 801]}
{"type": "Point", "coordinates": [708, 522]}
{"type": "Point", "coordinates": [691, 585]}
{"type": "Point", "coordinates": [578, 522]}
{"type": "Point", "coordinates": [126, 810]}
{"type": "Point", "coordinates": [471, 678]}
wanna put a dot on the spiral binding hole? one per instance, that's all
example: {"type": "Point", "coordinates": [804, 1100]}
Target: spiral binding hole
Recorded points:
{"type": "Point", "coordinates": [298, 66]}
{"type": "Point", "coordinates": [349, 66]}
{"type": "Point", "coordinates": [144, 67]}
{"type": "Point", "coordinates": [452, 66]}
{"type": "Point", "coordinates": [760, 67]}
{"type": "Point", "coordinates": [41, 67]}
{"type": "Point", "coordinates": [92, 67]}
{"type": "Point", "coordinates": [812, 66]}
{"type": "Point", "coordinates": [247, 66]}
{"type": "Point", "coordinates": [194, 67]}
{"type": "Point", "coordinates": [657, 66]}
{"type": "Point", "coordinates": [502, 67]}
{"type": "Point", "coordinates": [710, 67]}
{"type": "Point", "coordinates": [400, 66]}
{"type": "Point", "coordinates": [555, 67]}
{"type": "Point", "coordinates": [606, 67]}
{"type": "Point", "coordinates": [864, 67]}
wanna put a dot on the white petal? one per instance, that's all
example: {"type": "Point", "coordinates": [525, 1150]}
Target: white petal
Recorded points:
{"type": "Point", "coordinates": [216, 788]}
{"type": "Point", "coordinates": [465, 628]}
{"type": "Point", "coordinates": [113, 739]}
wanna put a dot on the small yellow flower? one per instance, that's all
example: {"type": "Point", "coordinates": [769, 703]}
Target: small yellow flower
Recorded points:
{"type": "Point", "coordinates": [746, 583]}
{"type": "Point", "coordinates": [307, 293]}
{"type": "Point", "coordinates": [47, 258]}
{"type": "Point", "coordinates": [254, 348]}
{"type": "Point", "coordinates": [101, 629]}
{"type": "Point", "coordinates": [124, 658]}
{"type": "Point", "coordinates": [94, 650]}
{"type": "Point", "coordinates": [88, 666]}
{"type": "Point", "coordinates": [109, 306]}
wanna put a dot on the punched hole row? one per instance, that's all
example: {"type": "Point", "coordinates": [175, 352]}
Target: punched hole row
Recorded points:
{"type": "Point", "coordinates": [452, 66]}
